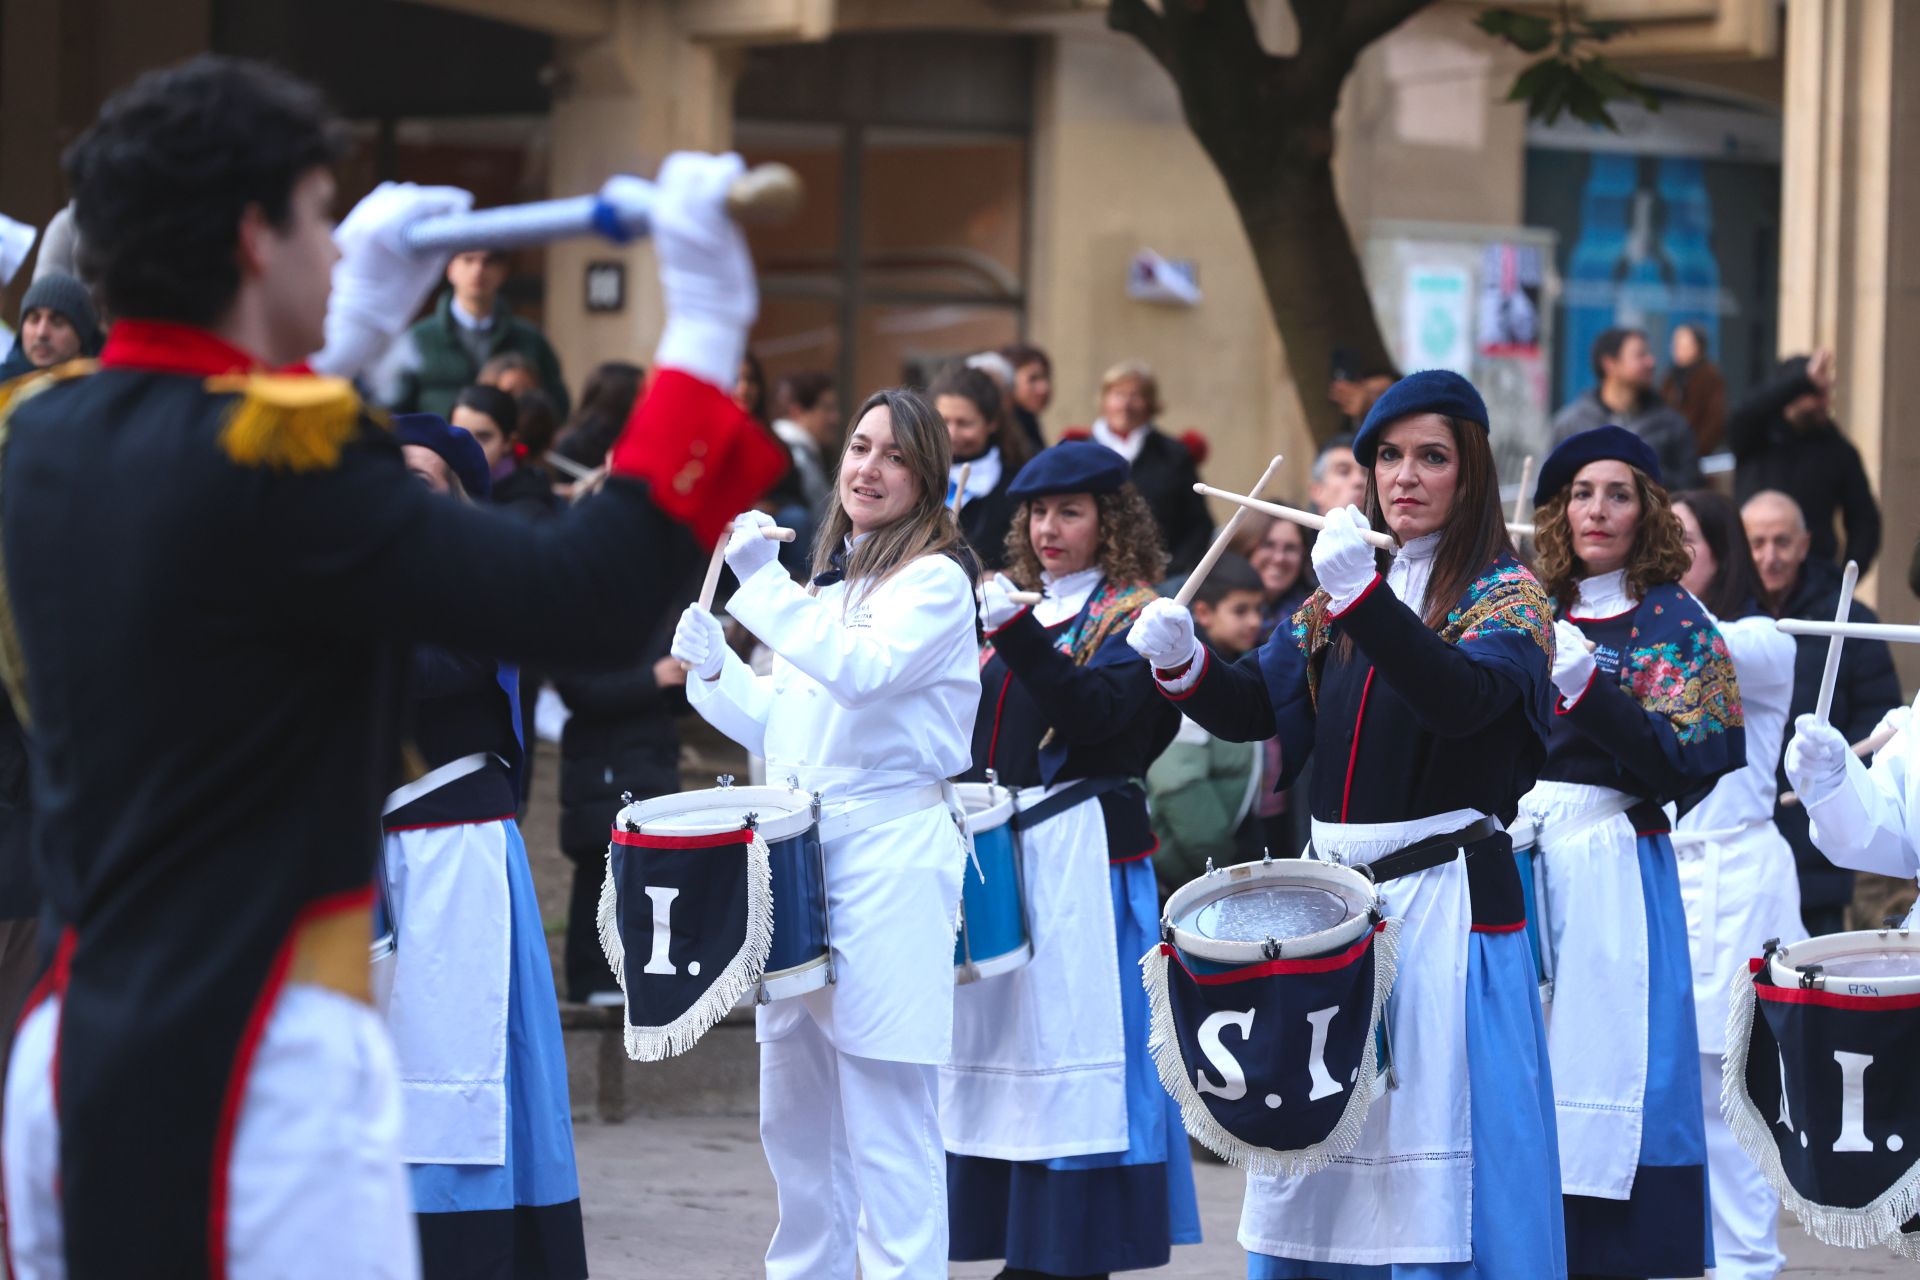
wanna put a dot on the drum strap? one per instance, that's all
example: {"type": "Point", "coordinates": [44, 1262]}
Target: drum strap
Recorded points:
{"type": "Point", "coordinates": [428, 783]}
{"type": "Point", "coordinates": [1430, 853]}
{"type": "Point", "coordinates": [1064, 799]}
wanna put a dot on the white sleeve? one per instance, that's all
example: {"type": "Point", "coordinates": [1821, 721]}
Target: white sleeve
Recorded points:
{"type": "Point", "coordinates": [890, 640]}
{"type": "Point", "coordinates": [1862, 823]}
{"type": "Point", "coordinates": [737, 704]}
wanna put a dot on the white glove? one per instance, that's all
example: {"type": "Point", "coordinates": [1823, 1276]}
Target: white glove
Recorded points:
{"type": "Point", "coordinates": [1342, 560]}
{"type": "Point", "coordinates": [699, 642]}
{"type": "Point", "coordinates": [1893, 723]}
{"type": "Point", "coordinates": [1163, 635]}
{"type": "Point", "coordinates": [997, 608]}
{"type": "Point", "coordinates": [1572, 661]}
{"type": "Point", "coordinates": [706, 273]}
{"type": "Point", "coordinates": [1816, 758]}
{"type": "Point", "coordinates": [748, 551]}
{"type": "Point", "coordinates": [378, 284]}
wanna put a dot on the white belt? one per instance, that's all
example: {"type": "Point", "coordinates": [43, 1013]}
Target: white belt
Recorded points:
{"type": "Point", "coordinates": [875, 813]}
{"type": "Point", "coordinates": [434, 779]}
{"type": "Point", "coordinates": [1583, 821]}
{"type": "Point", "coordinates": [1690, 839]}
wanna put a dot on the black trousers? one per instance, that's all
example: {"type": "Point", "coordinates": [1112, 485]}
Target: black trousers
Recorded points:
{"type": "Point", "coordinates": [585, 963]}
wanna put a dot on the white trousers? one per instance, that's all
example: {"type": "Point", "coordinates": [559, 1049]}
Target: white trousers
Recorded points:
{"type": "Point", "coordinates": [1744, 1206]}
{"type": "Point", "coordinates": [858, 1164]}
{"type": "Point", "coordinates": [316, 1187]}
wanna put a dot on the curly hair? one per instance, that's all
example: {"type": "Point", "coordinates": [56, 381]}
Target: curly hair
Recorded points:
{"type": "Point", "coordinates": [1659, 554]}
{"type": "Point", "coordinates": [1129, 549]}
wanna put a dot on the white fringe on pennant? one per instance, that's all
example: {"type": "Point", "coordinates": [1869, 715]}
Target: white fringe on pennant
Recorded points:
{"type": "Point", "coordinates": [742, 974]}
{"type": "Point", "coordinates": [1164, 1043]}
{"type": "Point", "coordinates": [1877, 1223]}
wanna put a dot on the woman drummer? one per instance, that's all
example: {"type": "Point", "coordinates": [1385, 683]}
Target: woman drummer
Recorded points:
{"type": "Point", "coordinates": [870, 702]}
{"type": "Point", "coordinates": [1737, 878]}
{"type": "Point", "coordinates": [1422, 686]}
{"type": "Point", "coordinates": [1648, 711]}
{"type": "Point", "coordinates": [1068, 1158]}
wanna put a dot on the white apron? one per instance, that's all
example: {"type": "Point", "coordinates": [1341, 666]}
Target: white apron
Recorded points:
{"type": "Point", "coordinates": [1588, 866]}
{"type": "Point", "coordinates": [448, 1007]}
{"type": "Point", "coordinates": [1405, 1192]}
{"type": "Point", "coordinates": [893, 900]}
{"type": "Point", "coordinates": [1039, 1054]}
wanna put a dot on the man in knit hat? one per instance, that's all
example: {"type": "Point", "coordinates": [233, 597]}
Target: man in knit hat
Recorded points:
{"type": "Point", "coordinates": [57, 324]}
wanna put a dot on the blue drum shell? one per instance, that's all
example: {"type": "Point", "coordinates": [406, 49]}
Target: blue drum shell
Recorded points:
{"type": "Point", "coordinates": [994, 919]}
{"type": "Point", "coordinates": [799, 902]}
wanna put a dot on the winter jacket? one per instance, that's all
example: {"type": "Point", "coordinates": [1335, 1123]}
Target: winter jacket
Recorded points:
{"type": "Point", "coordinates": [620, 737]}
{"type": "Point", "coordinates": [1653, 420]}
{"type": "Point", "coordinates": [1199, 792]}
{"type": "Point", "coordinates": [436, 366]}
{"type": "Point", "coordinates": [1700, 394]}
{"type": "Point", "coordinates": [1817, 467]}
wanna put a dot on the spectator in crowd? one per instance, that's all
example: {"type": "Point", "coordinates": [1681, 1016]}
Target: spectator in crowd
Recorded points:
{"type": "Point", "coordinates": [1783, 437]}
{"type": "Point", "coordinates": [58, 323]}
{"type": "Point", "coordinates": [470, 325]}
{"type": "Point", "coordinates": [1032, 387]}
{"type": "Point", "coordinates": [807, 420]}
{"type": "Point", "coordinates": [620, 736]}
{"type": "Point", "coordinates": [787, 501]}
{"type": "Point", "coordinates": [1694, 386]}
{"type": "Point", "coordinates": [1799, 585]}
{"type": "Point", "coordinates": [1279, 551]}
{"type": "Point", "coordinates": [510, 371]}
{"type": "Point", "coordinates": [1355, 383]}
{"type": "Point", "coordinates": [1164, 469]}
{"type": "Point", "coordinates": [1624, 396]}
{"type": "Point", "coordinates": [606, 402]}
{"type": "Point", "coordinates": [492, 418]}
{"type": "Point", "coordinates": [539, 423]}
{"type": "Point", "coordinates": [992, 449]}
{"type": "Point", "coordinates": [1338, 480]}
{"type": "Point", "coordinates": [1201, 790]}
{"type": "Point", "coordinates": [750, 387]}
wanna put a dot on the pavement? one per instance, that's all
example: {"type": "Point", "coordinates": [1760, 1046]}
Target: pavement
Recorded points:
{"type": "Point", "coordinates": [688, 1197]}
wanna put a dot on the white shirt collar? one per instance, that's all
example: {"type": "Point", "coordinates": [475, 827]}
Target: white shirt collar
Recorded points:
{"type": "Point", "coordinates": [1603, 596]}
{"type": "Point", "coordinates": [1412, 569]}
{"type": "Point", "coordinates": [1063, 597]}
{"type": "Point", "coordinates": [465, 321]}
{"type": "Point", "coordinates": [1127, 446]}
{"type": "Point", "coordinates": [983, 476]}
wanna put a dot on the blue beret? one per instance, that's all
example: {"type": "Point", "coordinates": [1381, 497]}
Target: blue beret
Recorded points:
{"type": "Point", "coordinates": [1074, 466]}
{"type": "Point", "coordinates": [1439, 391]}
{"type": "Point", "coordinates": [1599, 444]}
{"type": "Point", "coordinates": [461, 451]}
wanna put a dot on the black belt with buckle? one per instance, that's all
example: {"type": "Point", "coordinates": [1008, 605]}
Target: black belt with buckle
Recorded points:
{"type": "Point", "coordinates": [1493, 883]}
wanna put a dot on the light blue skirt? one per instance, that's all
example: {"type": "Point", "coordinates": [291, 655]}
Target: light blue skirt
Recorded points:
{"type": "Point", "coordinates": [520, 1219]}
{"type": "Point", "coordinates": [1517, 1223]}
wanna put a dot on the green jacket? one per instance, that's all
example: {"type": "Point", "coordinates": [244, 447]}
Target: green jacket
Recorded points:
{"type": "Point", "coordinates": [438, 367]}
{"type": "Point", "coordinates": [1198, 793]}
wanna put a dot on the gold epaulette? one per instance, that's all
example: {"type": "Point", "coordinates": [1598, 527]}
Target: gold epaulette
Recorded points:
{"type": "Point", "coordinates": [13, 394]}
{"type": "Point", "coordinates": [290, 422]}
{"type": "Point", "coordinates": [41, 379]}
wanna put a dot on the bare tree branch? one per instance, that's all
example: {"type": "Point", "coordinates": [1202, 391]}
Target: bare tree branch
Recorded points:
{"type": "Point", "coordinates": [1137, 19]}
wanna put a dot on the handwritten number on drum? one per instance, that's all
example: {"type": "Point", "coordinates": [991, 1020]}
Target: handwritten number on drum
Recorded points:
{"type": "Point", "coordinates": [1853, 1104]}
{"type": "Point", "coordinates": [1233, 1078]}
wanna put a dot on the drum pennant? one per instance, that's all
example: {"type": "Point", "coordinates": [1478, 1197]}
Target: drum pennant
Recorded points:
{"type": "Point", "coordinates": [687, 923]}
{"type": "Point", "coordinates": [1819, 1088]}
{"type": "Point", "coordinates": [1290, 1094]}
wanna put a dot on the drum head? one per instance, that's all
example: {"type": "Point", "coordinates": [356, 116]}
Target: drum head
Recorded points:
{"type": "Point", "coordinates": [780, 813]}
{"type": "Point", "coordinates": [988, 806]}
{"type": "Point", "coordinates": [1883, 962]}
{"type": "Point", "coordinates": [1295, 907]}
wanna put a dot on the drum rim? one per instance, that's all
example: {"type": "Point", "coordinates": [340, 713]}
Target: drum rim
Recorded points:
{"type": "Point", "coordinates": [1784, 967]}
{"type": "Point", "coordinates": [1339, 880]}
{"type": "Point", "coordinates": [996, 814]}
{"type": "Point", "coordinates": [781, 812]}
{"type": "Point", "coordinates": [1523, 834]}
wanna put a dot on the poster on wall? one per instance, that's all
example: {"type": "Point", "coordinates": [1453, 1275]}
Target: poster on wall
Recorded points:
{"type": "Point", "coordinates": [1511, 279]}
{"type": "Point", "coordinates": [1436, 330]}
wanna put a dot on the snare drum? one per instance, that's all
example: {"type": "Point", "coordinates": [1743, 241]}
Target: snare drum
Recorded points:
{"type": "Point", "coordinates": [993, 937]}
{"type": "Point", "coordinates": [1869, 963]}
{"type": "Point", "coordinates": [799, 959]}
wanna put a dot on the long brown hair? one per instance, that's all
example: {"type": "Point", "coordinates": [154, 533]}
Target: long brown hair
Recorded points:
{"type": "Point", "coordinates": [1129, 549]}
{"type": "Point", "coordinates": [1658, 555]}
{"type": "Point", "coordinates": [978, 388]}
{"type": "Point", "coordinates": [1475, 532]}
{"type": "Point", "coordinates": [926, 528]}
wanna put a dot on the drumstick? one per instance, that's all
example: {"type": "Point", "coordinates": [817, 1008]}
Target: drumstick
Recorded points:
{"type": "Point", "coordinates": [567, 466]}
{"type": "Point", "coordinates": [1831, 674]}
{"type": "Point", "coordinates": [766, 193]}
{"type": "Point", "coordinates": [1892, 632]}
{"type": "Point", "coordinates": [1865, 747]}
{"type": "Point", "coordinates": [1520, 498]}
{"type": "Point", "coordinates": [1371, 537]}
{"type": "Point", "coordinates": [960, 486]}
{"type": "Point", "coordinates": [1184, 596]}
{"type": "Point", "coordinates": [772, 533]}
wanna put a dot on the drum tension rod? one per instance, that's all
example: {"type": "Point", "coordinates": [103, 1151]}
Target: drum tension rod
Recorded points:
{"type": "Point", "coordinates": [1808, 976]}
{"type": "Point", "coordinates": [1270, 948]}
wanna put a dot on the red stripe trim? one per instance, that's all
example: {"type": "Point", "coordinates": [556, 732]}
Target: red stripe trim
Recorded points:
{"type": "Point", "coordinates": [350, 900]}
{"type": "Point", "coordinates": [1136, 857]}
{"type": "Point", "coordinates": [463, 822]}
{"type": "Point", "coordinates": [999, 708]}
{"type": "Point", "coordinates": [1562, 706]}
{"type": "Point", "coordinates": [159, 346]}
{"type": "Point", "coordinates": [51, 983]}
{"type": "Point", "coordinates": [1500, 928]}
{"type": "Point", "coordinates": [1024, 611]}
{"type": "Point", "coordinates": [1268, 968]}
{"type": "Point", "coordinates": [1353, 754]}
{"type": "Point", "coordinates": [1834, 1000]}
{"type": "Point", "coordinates": [641, 840]}
{"type": "Point", "coordinates": [1206, 657]}
{"type": "Point", "coordinates": [1336, 615]}
{"type": "Point", "coordinates": [1612, 617]}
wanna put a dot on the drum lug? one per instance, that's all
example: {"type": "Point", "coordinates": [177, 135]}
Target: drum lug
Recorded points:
{"type": "Point", "coordinates": [1768, 947]}
{"type": "Point", "coordinates": [751, 822]}
{"type": "Point", "coordinates": [725, 781]}
{"type": "Point", "coordinates": [1270, 948]}
{"type": "Point", "coordinates": [1810, 978]}
{"type": "Point", "coordinates": [1166, 930]}
{"type": "Point", "coordinates": [1266, 856]}
{"type": "Point", "coordinates": [1210, 868]}
{"type": "Point", "coordinates": [626, 797]}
